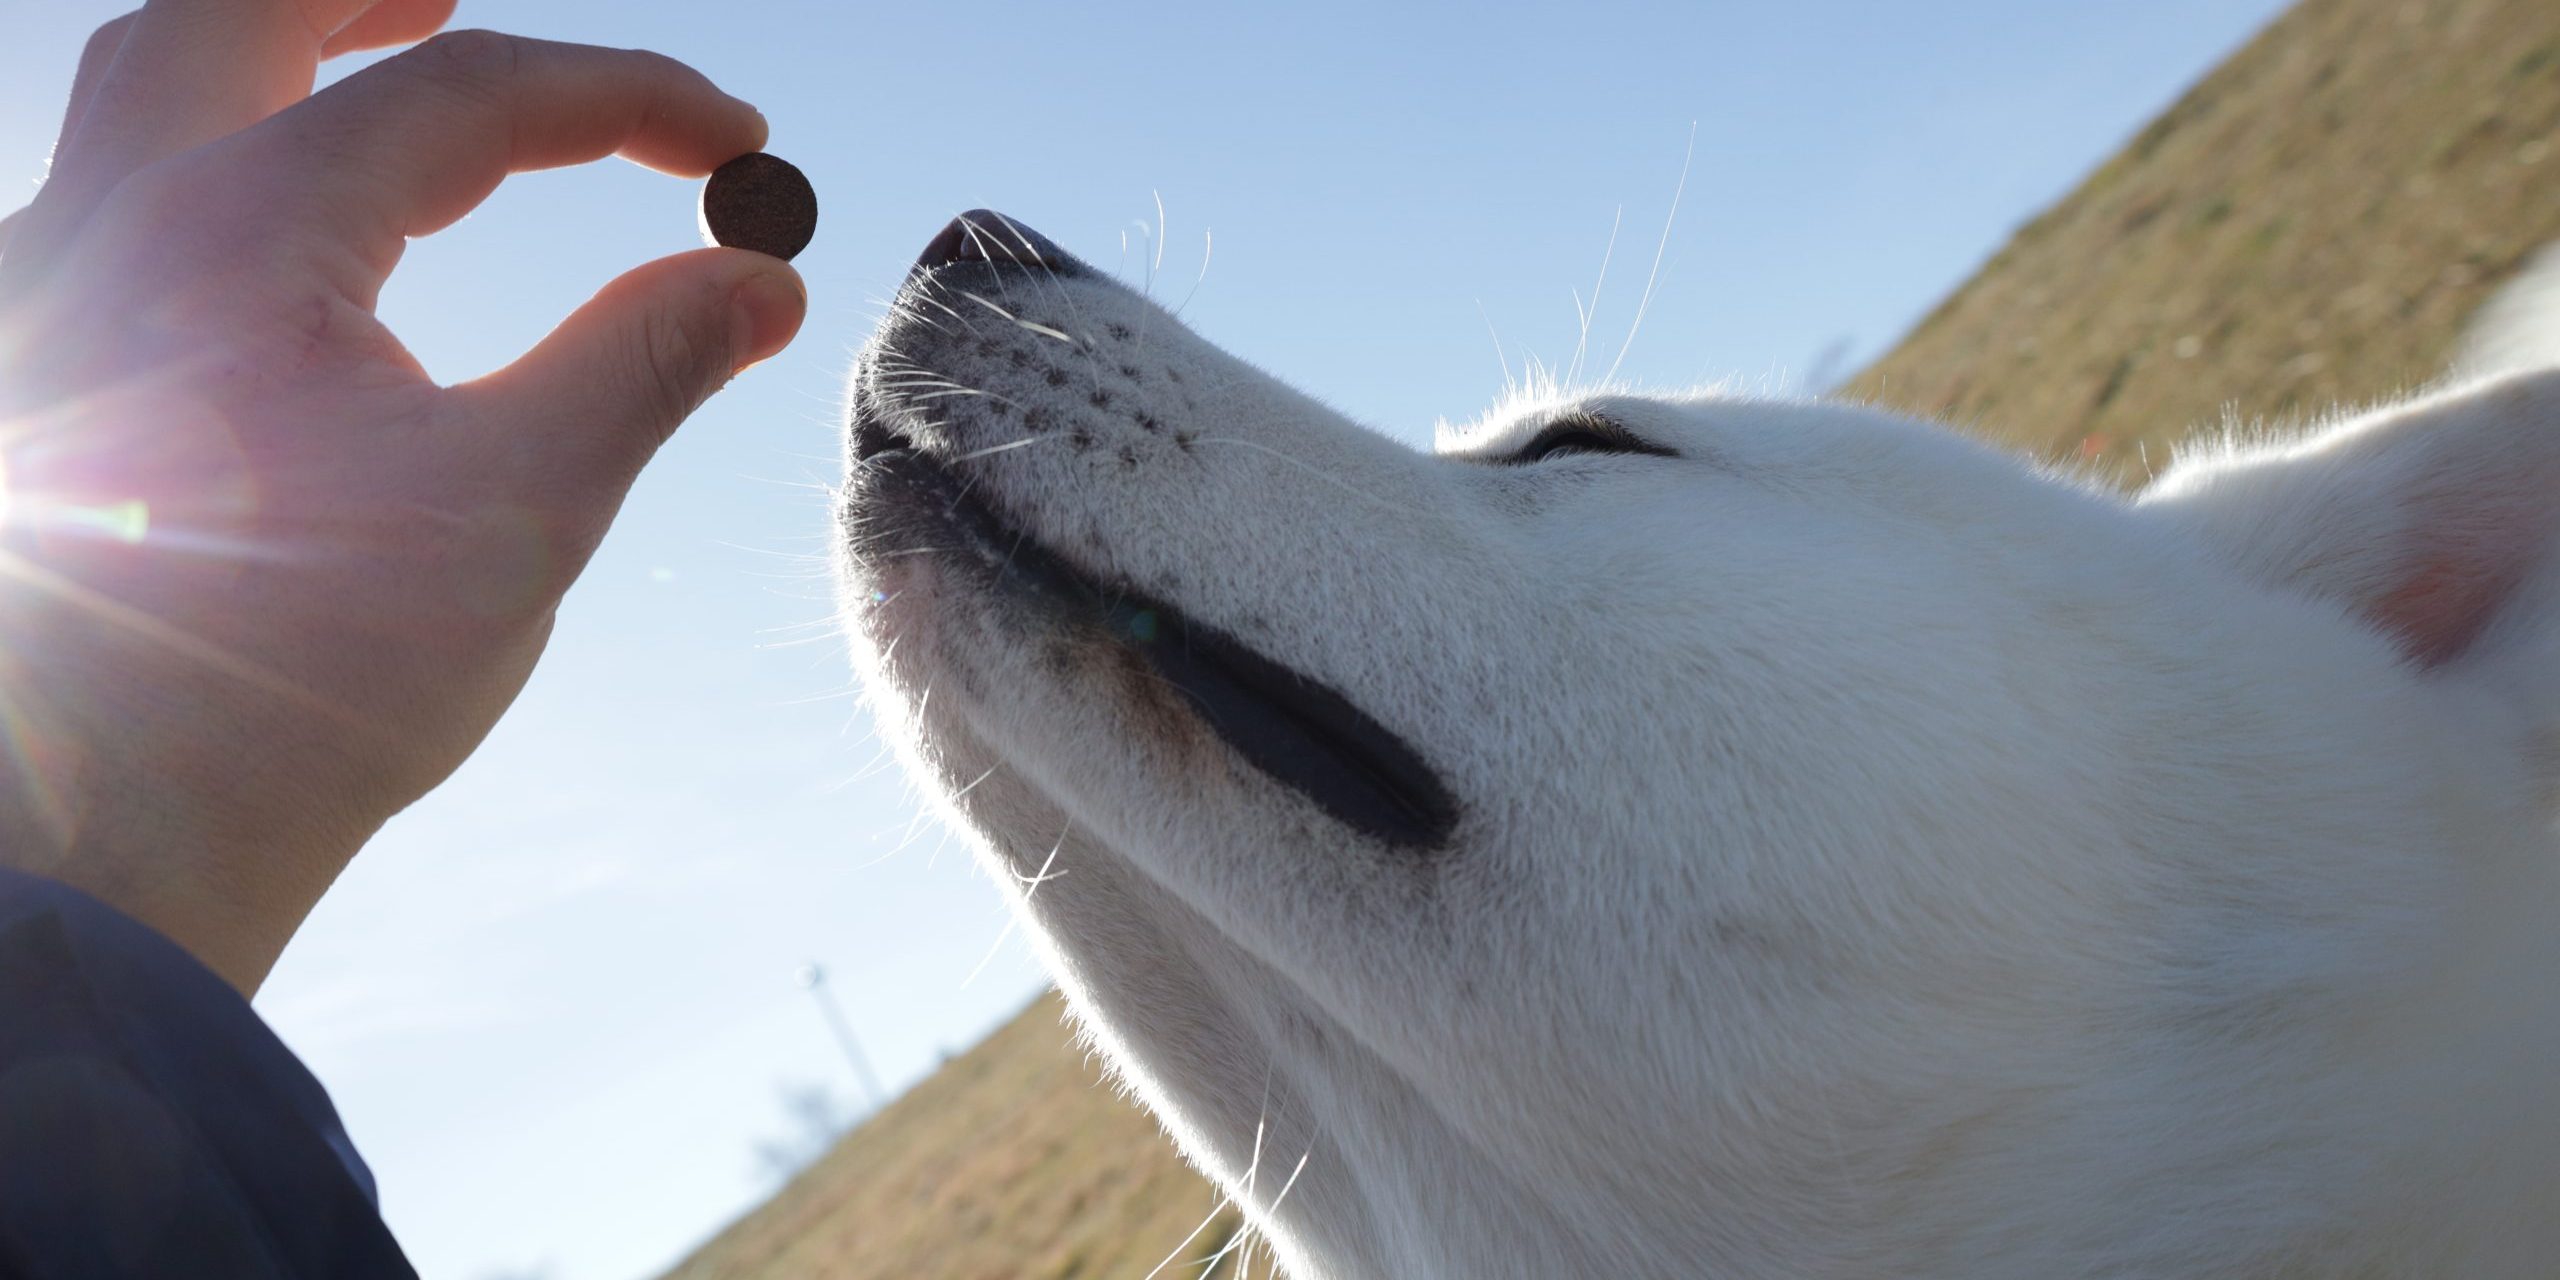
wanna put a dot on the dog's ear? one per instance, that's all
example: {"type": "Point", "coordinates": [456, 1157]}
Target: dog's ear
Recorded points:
{"type": "Point", "coordinates": [2432, 520]}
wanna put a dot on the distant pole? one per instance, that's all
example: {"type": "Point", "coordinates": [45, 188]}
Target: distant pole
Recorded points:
{"type": "Point", "coordinates": [813, 977]}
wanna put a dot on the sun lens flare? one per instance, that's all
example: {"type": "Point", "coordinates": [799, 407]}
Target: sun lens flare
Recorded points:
{"type": "Point", "coordinates": [126, 522]}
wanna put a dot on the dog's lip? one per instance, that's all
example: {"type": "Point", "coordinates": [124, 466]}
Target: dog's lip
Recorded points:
{"type": "Point", "coordinates": [1295, 729]}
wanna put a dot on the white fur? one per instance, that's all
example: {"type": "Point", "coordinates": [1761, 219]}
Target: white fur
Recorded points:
{"type": "Point", "coordinates": [1876, 858]}
{"type": "Point", "coordinates": [2519, 329]}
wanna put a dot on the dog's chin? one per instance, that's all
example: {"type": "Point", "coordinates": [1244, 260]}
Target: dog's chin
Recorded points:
{"type": "Point", "coordinates": [918, 531]}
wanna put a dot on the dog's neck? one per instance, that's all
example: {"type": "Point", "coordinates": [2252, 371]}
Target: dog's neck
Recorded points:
{"type": "Point", "coordinates": [2391, 1115]}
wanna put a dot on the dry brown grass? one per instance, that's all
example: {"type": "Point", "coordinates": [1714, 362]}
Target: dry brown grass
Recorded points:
{"type": "Point", "coordinates": [1014, 1162]}
{"type": "Point", "coordinates": [2309, 225]}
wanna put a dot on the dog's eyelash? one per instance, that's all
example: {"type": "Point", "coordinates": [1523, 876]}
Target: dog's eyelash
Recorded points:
{"type": "Point", "coordinates": [1583, 434]}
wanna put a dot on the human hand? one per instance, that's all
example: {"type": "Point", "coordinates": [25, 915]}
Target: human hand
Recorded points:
{"type": "Point", "coordinates": [262, 582]}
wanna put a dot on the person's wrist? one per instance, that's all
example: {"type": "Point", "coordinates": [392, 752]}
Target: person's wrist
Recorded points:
{"type": "Point", "coordinates": [161, 847]}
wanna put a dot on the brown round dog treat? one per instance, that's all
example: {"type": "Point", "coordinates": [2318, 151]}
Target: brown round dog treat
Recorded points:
{"type": "Point", "coordinates": [760, 202]}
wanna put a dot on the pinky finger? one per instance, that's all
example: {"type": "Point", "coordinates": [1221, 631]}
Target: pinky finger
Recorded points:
{"type": "Point", "coordinates": [95, 57]}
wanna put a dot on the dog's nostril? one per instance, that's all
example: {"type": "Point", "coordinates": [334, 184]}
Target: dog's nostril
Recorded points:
{"type": "Point", "coordinates": [870, 440]}
{"type": "Point", "coordinates": [949, 245]}
{"type": "Point", "coordinates": [984, 235]}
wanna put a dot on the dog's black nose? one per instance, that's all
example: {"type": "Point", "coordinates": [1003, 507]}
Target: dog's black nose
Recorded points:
{"type": "Point", "coordinates": [984, 235]}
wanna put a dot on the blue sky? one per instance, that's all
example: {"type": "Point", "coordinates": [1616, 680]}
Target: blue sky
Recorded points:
{"type": "Point", "coordinates": [555, 1001]}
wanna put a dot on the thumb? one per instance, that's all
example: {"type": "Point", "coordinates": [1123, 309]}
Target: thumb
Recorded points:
{"type": "Point", "coordinates": [615, 379]}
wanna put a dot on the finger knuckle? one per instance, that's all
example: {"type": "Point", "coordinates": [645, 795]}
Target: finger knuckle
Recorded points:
{"type": "Point", "coordinates": [472, 56]}
{"type": "Point", "coordinates": [195, 222]}
{"type": "Point", "coordinates": [156, 193]}
{"type": "Point", "coordinates": [108, 38]}
{"type": "Point", "coordinates": [671, 355]}
{"type": "Point", "coordinates": [654, 65]}
{"type": "Point", "coordinates": [174, 196]}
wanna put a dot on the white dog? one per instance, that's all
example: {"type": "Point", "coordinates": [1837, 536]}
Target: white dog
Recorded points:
{"type": "Point", "coordinates": [1707, 836]}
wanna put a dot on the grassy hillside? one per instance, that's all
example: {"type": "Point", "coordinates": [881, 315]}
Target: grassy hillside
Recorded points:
{"type": "Point", "coordinates": [2307, 226]}
{"type": "Point", "coordinates": [1011, 1163]}
{"type": "Point", "coordinates": [2310, 224]}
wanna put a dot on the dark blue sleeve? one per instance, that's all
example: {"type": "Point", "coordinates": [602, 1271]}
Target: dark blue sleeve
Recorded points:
{"type": "Point", "coordinates": [151, 1125]}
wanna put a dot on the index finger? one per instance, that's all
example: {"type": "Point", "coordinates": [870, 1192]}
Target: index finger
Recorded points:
{"type": "Point", "coordinates": [407, 146]}
{"type": "Point", "coordinates": [178, 73]}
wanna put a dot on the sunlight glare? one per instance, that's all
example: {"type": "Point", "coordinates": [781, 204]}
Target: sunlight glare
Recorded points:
{"type": "Point", "coordinates": [125, 521]}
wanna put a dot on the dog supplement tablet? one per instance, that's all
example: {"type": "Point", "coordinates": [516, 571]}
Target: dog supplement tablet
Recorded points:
{"type": "Point", "coordinates": [760, 202]}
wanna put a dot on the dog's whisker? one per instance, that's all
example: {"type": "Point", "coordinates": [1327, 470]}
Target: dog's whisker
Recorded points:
{"type": "Point", "coordinates": [1156, 263]}
{"type": "Point", "coordinates": [973, 784]}
{"type": "Point", "coordinates": [1049, 275]}
{"type": "Point", "coordinates": [1319, 473]}
{"type": "Point", "coordinates": [1645, 301]}
{"type": "Point", "coordinates": [1029, 888]}
{"type": "Point", "coordinates": [1032, 883]}
{"type": "Point", "coordinates": [1045, 331]}
{"type": "Point", "coordinates": [1583, 315]}
{"type": "Point", "coordinates": [945, 307]}
{"type": "Point", "coordinates": [978, 237]}
{"type": "Point", "coordinates": [1007, 447]}
{"type": "Point", "coordinates": [981, 300]}
{"type": "Point", "coordinates": [1499, 355]}
{"type": "Point", "coordinates": [1212, 1216]}
{"type": "Point", "coordinates": [1207, 246]}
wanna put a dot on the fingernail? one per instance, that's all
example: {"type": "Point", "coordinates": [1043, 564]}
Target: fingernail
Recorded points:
{"type": "Point", "coordinates": [765, 314]}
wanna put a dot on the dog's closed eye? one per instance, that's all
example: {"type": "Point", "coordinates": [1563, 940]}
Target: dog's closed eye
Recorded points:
{"type": "Point", "coordinates": [1583, 434]}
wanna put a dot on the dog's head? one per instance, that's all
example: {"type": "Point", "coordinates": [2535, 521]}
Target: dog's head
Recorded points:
{"type": "Point", "coordinates": [1649, 833]}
